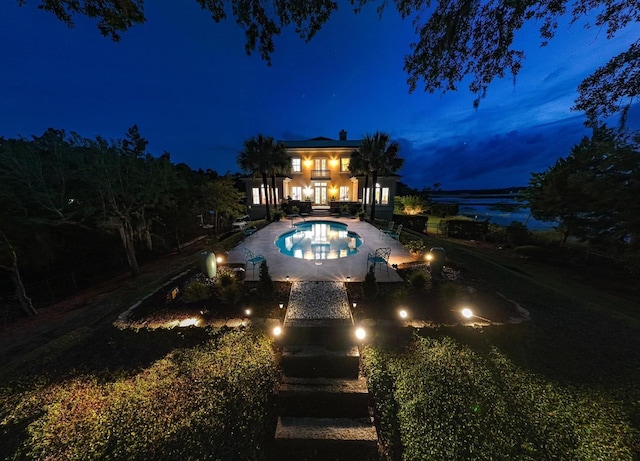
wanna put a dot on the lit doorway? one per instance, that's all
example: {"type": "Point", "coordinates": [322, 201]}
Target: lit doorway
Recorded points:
{"type": "Point", "coordinates": [320, 193]}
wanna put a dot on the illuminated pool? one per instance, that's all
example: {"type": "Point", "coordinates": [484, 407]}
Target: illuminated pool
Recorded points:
{"type": "Point", "coordinates": [319, 240]}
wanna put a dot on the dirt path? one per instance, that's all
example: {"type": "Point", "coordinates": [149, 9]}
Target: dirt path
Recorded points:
{"type": "Point", "coordinates": [89, 307]}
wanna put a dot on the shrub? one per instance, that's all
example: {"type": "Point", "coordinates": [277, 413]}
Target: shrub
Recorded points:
{"type": "Point", "coordinates": [210, 402]}
{"type": "Point", "coordinates": [415, 246]}
{"type": "Point", "coordinates": [225, 277]}
{"type": "Point", "coordinates": [517, 233]}
{"type": "Point", "coordinates": [413, 204]}
{"type": "Point", "coordinates": [419, 281]}
{"type": "Point", "coordinates": [370, 286]}
{"type": "Point", "coordinates": [196, 290]}
{"type": "Point", "coordinates": [438, 399]}
{"type": "Point", "coordinates": [265, 283]}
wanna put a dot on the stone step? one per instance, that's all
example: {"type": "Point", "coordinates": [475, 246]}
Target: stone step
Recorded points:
{"type": "Point", "coordinates": [346, 429]}
{"type": "Point", "coordinates": [320, 362]}
{"type": "Point", "coordinates": [323, 397]}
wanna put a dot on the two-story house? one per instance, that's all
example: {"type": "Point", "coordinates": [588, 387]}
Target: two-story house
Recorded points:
{"type": "Point", "coordinates": [320, 179]}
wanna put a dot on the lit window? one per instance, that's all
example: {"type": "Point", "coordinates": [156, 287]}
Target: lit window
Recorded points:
{"type": "Point", "coordinates": [344, 193]}
{"type": "Point", "coordinates": [296, 165]}
{"type": "Point", "coordinates": [255, 193]}
{"type": "Point", "coordinates": [385, 196]}
{"type": "Point", "coordinates": [296, 193]}
{"type": "Point", "coordinates": [344, 164]}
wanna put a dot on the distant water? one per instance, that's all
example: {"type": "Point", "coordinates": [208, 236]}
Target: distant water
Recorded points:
{"type": "Point", "coordinates": [498, 209]}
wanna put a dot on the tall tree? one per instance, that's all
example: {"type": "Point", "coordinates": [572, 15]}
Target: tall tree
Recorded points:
{"type": "Point", "coordinates": [382, 157]}
{"type": "Point", "coordinates": [592, 192]}
{"type": "Point", "coordinates": [127, 183]}
{"type": "Point", "coordinates": [280, 165]}
{"type": "Point", "coordinates": [359, 165]}
{"type": "Point", "coordinates": [9, 263]}
{"type": "Point", "coordinates": [455, 38]}
{"type": "Point", "coordinates": [257, 158]}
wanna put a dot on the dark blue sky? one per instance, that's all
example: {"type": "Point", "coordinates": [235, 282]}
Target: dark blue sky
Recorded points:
{"type": "Point", "coordinates": [189, 86]}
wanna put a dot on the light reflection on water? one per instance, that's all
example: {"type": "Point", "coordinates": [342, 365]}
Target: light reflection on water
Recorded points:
{"type": "Point", "coordinates": [319, 240]}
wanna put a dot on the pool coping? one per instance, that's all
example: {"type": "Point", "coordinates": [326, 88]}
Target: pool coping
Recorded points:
{"type": "Point", "coordinates": [352, 268]}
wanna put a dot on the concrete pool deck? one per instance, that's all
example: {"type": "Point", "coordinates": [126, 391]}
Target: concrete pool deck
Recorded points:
{"type": "Point", "coordinates": [326, 270]}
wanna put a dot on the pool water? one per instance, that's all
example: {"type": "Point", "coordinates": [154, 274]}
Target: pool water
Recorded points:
{"type": "Point", "coordinates": [317, 240]}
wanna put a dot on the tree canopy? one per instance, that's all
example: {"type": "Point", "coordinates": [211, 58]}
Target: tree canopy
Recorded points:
{"type": "Point", "coordinates": [380, 155]}
{"type": "Point", "coordinates": [66, 200]}
{"type": "Point", "coordinates": [455, 38]}
{"type": "Point", "coordinates": [593, 192]}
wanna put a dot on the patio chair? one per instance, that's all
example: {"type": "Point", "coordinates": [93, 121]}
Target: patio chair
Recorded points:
{"type": "Point", "coordinates": [389, 229]}
{"type": "Point", "coordinates": [253, 259]}
{"type": "Point", "coordinates": [396, 235]}
{"type": "Point", "coordinates": [381, 256]}
{"type": "Point", "coordinates": [249, 231]}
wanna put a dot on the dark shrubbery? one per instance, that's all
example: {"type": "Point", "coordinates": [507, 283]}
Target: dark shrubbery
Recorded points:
{"type": "Point", "coordinates": [370, 286]}
{"type": "Point", "coordinates": [265, 282]}
{"type": "Point", "coordinates": [210, 402]}
{"type": "Point", "coordinates": [438, 399]}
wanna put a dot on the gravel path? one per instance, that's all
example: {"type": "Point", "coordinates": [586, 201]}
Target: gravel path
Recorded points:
{"type": "Point", "coordinates": [318, 300]}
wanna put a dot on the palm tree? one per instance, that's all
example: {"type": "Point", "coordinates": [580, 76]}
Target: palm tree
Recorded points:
{"type": "Point", "coordinates": [280, 164]}
{"type": "Point", "coordinates": [359, 165]}
{"type": "Point", "coordinates": [382, 158]}
{"type": "Point", "coordinates": [257, 158]}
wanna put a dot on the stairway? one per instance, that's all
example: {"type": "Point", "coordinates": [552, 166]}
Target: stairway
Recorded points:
{"type": "Point", "coordinates": [323, 401]}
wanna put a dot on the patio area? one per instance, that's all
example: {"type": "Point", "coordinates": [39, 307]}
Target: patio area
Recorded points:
{"type": "Point", "coordinates": [330, 270]}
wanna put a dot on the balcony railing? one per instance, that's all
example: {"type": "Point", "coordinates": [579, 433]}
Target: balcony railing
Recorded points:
{"type": "Point", "coordinates": [320, 174]}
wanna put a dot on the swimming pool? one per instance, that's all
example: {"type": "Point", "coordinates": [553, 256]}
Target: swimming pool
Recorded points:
{"type": "Point", "coordinates": [319, 240]}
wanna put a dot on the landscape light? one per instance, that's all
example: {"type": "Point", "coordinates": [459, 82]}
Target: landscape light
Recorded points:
{"type": "Point", "coordinates": [354, 305]}
{"type": "Point", "coordinates": [466, 313]}
{"type": "Point", "coordinates": [219, 259]}
{"type": "Point", "coordinates": [348, 278]}
{"type": "Point", "coordinates": [277, 331]}
{"type": "Point", "coordinates": [360, 333]}
{"type": "Point", "coordinates": [247, 312]}
{"type": "Point", "coordinates": [429, 257]}
{"type": "Point", "coordinates": [287, 278]}
{"type": "Point", "coordinates": [403, 314]}
{"type": "Point", "coordinates": [281, 305]}
{"type": "Point", "coordinates": [189, 322]}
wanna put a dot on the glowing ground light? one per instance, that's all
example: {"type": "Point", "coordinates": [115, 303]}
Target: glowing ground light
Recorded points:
{"type": "Point", "coordinates": [189, 322]}
{"type": "Point", "coordinates": [281, 305]}
{"type": "Point", "coordinates": [403, 314]}
{"type": "Point", "coordinates": [429, 257]}
{"type": "Point", "coordinates": [360, 333]}
{"type": "Point", "coordinates": [247, 312]}
{"type": "Point", "coordinates": [466, 313]}
{"type": "Point", "coordinates": [277, 331]}
{"type": "Point", "coordinates": [219, 259]}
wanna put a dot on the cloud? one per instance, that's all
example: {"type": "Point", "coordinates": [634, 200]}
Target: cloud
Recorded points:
{"type": "Point", "coordinates": [500, 160]}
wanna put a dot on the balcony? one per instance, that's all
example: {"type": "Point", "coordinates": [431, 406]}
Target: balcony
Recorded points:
{"type": "Point", "coordinates": [320, 174]}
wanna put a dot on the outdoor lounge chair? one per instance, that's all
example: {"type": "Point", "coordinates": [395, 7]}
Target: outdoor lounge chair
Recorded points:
{"type": "Point", "coordinates": [249, 231]}
{"type": "Point", "coordinates": [381, 256]}
{"type": "Point", "coordinates": [253, 259]}
{"type": "Point", "coordinates": [389, 229]}
{"type": "Point", "coordinates": [396, 235]}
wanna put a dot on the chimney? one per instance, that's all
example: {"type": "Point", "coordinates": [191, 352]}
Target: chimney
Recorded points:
{"type": "Point", "coordinates": [343, 135]}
